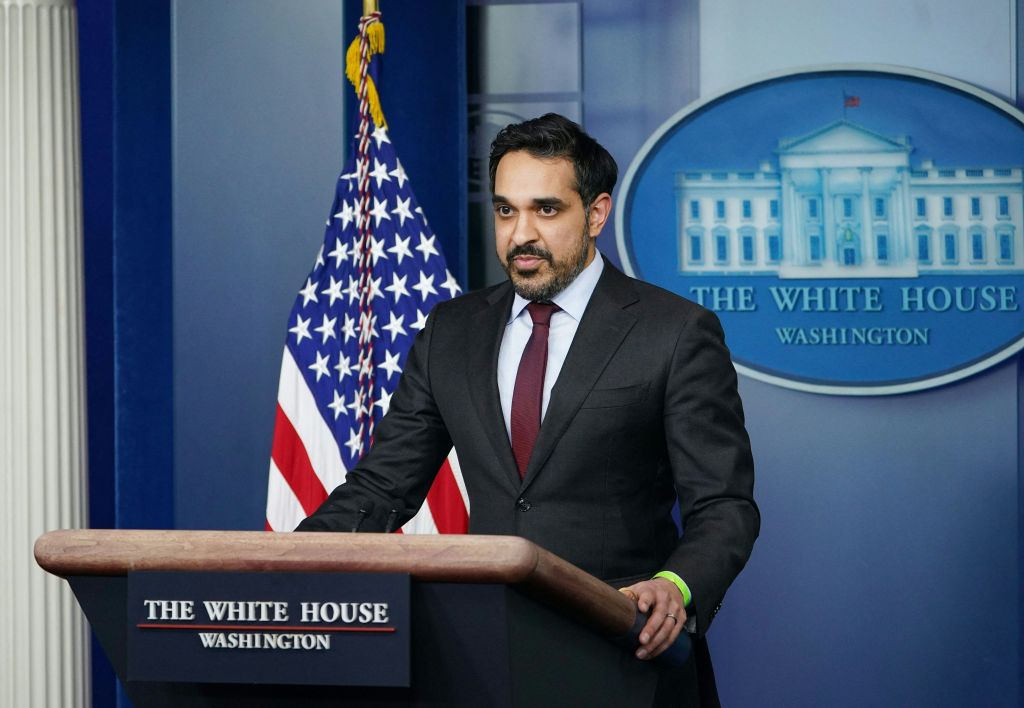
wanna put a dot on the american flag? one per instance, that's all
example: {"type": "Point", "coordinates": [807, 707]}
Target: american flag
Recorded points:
{"type": "Point", "coordinates": [379, 272]}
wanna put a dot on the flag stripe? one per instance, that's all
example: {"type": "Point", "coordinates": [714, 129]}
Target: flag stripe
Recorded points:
{"type": "Point", "coordinates": [289, 454]}
{"type": "Point", "coordinates": [453, 462]}
{"type": "Point", "coordinates": [283, 509]}
{"type": "Point", "coordinates": [445, 501]}
{"type": "Point", "coordinates": [298, 404]}
{"type": "Point", "coordinates": [423, 522]}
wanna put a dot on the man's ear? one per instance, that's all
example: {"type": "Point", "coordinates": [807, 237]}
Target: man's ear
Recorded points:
{"type": "Point", "coordinates": [600, 210]}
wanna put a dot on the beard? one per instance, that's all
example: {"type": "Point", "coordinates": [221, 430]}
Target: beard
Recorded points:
{"type": "Point", "coordinates": [544, 284]}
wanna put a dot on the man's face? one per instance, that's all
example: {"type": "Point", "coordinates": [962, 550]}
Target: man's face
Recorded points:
{"type": "Point", "coordinates": [543, 237]}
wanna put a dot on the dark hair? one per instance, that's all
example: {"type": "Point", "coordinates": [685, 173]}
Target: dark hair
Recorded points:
{"type": "Point", "coordinates": [553, 135]}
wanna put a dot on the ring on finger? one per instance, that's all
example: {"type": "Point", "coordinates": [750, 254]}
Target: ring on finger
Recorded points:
{"type": "Point", "coordinates": [674, 618]}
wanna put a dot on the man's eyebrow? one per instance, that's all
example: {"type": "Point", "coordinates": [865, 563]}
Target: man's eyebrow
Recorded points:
{"type": "Point", "coordinates": [537, 201]}
{"type": "Point", "coordinates": [548, 201]}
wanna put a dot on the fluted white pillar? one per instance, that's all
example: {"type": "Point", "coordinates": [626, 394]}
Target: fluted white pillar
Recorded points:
{"type": "Point", "coordinates": [43, 648]}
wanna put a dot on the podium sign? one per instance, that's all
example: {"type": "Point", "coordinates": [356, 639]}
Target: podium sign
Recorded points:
{"type": "Point", "coordinates": [342, 629]}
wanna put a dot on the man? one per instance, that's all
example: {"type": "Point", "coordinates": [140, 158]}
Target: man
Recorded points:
{"type": "Point", "coordinates": [582, 403]}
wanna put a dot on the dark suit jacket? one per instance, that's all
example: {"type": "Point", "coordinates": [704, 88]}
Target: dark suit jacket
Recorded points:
{"type": "Point", "coordinates": [645, 409]}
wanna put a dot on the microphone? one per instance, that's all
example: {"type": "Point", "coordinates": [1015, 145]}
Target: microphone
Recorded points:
{"type": "Point", "coordinates": [365, 508]}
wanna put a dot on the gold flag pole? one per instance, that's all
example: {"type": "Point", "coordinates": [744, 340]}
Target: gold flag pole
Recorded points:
{"type": "Point", "coordinates": [370, 6]}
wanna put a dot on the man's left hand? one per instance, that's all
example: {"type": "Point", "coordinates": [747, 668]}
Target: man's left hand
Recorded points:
{"type": "Point", "coordinates": [666, 615]}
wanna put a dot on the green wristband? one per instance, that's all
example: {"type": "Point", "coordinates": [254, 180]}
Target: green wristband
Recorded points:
{"type": "Point", "coordinates": [679, 583]}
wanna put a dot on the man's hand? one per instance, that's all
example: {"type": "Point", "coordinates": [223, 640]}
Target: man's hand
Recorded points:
{"type": "Point", "coordinates": [666, 618]}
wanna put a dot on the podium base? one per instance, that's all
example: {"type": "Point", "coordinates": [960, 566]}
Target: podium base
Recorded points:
{"type": "Point", "coordinates": [472, 645]}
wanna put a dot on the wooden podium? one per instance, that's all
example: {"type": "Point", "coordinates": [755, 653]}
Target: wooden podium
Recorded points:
{"type": "Point", "coordinates": [495, 620]}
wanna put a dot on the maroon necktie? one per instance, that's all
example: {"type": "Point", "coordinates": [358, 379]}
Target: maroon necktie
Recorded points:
{"type": "Point", "coordinates": [529, 389]}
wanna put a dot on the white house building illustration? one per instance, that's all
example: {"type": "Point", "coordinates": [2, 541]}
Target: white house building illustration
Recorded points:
{"type": "Point", "coordinates": [845, 202]}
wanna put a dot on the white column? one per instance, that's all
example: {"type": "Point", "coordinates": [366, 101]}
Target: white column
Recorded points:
{"type": "Point", "coordinates": [828, 245]}
{"type": "Point", "coordinates": [896, 226]}
{"type": "Point", "coordinates": [907, 240]}
{"type": "Point", "coordinates": [867, 215]}
{"type": "Point", "coordinates": [43, 649]}
{"type": "Point", "coordinates": [794, 249]}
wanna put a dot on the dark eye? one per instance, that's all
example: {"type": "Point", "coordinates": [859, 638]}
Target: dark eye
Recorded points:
{"type": "Point", "coordinates": [548, 210]}
{"type": "Point", "coordinates": [503, 210]}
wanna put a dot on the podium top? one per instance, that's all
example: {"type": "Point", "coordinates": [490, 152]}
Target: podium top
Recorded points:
{"type": "Point", "coordinates": [506, 560]}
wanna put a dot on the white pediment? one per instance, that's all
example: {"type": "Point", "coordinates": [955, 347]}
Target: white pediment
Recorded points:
{"type": "Point", "coordinates": [842, 137]}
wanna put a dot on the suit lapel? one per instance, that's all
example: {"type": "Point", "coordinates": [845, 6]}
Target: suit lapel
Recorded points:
{"type": "Point", "coordinates": [604, 325]}
{"type": "Point", "coordinates": [484, 340]}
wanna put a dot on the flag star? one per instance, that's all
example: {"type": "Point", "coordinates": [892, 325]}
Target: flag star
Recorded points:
{"type": "Point", "coordinates": [421, 320]}
{"type": "Point", "coordinates": [379, 211]}
{"type": "Point", "coordinates": [426, 246]}
{"type": "Point", "coordinates": [380, 134]}
{"type": "Point", "coordinates": [348, 329]}
{"type": "Point", "coordinates": [334, 291]}
{"type": "Point", "coordinates": [375, 288]}
{"type": "Point", "coordinates": [344, 365]}
{"type": "Point", "coordinates": [349, 177]}
{"type": "Point", "coordinates": [401, 248]}
{"type": "Point", "coordinates": [399, 173]}
{"type": "Point", "coordinates": [425, 286]}
{"type": "Point", "coordinates": [338, 404]}
{"type": "Point", "coordinates": [384, 401]}
{"type": "Point", "coordinates": [309, 292]}
{"type": "Point", "coordinates": [380, 172]}
{"type": "Point", "coordinates": [390, 364]}
{"type": "Point", "coordinates": [301, 329]}
{"type": "Point", "coordinates": [395, 326]}
{"type": "Point", "coordinates": [402, 209]}
{"type": "Point", "coordinates": [326, 329]}
{"type": "Point", "coordinates": [340, 253]}
{"type": "Point", "coordinates": [419, 210]}
{"type": "Point", "coordinates": [397, 287]}
{"type": "Point", "coordinates": [320, 366]}
{"type": "Point", "coordinates": [320, 256]}
{"type": "Point", "coordinates": [352, 291]}
{"type": "Point", "coordinates": [347, 214]}
{"type": "Point", "coordinates": [377, 250]}
{"type": "Point", "coordinates": [450, 284]}
{"type": "Point", "coordinates": [355, 442]}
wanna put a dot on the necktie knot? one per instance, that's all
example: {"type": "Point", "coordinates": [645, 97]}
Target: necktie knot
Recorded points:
{"type": "Point", "coordinates": [540, 312]}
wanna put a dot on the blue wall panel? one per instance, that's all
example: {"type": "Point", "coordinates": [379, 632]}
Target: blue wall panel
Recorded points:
{"type": "Point", "coordinates": [124, 59]}
{"type": "Point", "coordinates": [258, 145]}
{"type": "Point", "coordinates": [888, 554]}
{"type": "Point", "coordinates": [143, 388]}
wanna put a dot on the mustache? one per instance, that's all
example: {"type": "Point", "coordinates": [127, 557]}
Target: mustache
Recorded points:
{"type": "Point", "coordinates": [528, 250]}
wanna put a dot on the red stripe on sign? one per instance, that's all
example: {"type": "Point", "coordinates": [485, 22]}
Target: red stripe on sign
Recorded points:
{"type": "Point", "coordinates": [264, 628]}
{"type": "Point", "coordinates": [446, 504]}
{"type": "Point", "coordinates": [289, 454]}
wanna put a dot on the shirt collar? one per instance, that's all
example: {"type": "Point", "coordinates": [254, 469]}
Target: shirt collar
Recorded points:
{"type": "Point", "coordinates": [573, 300]}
